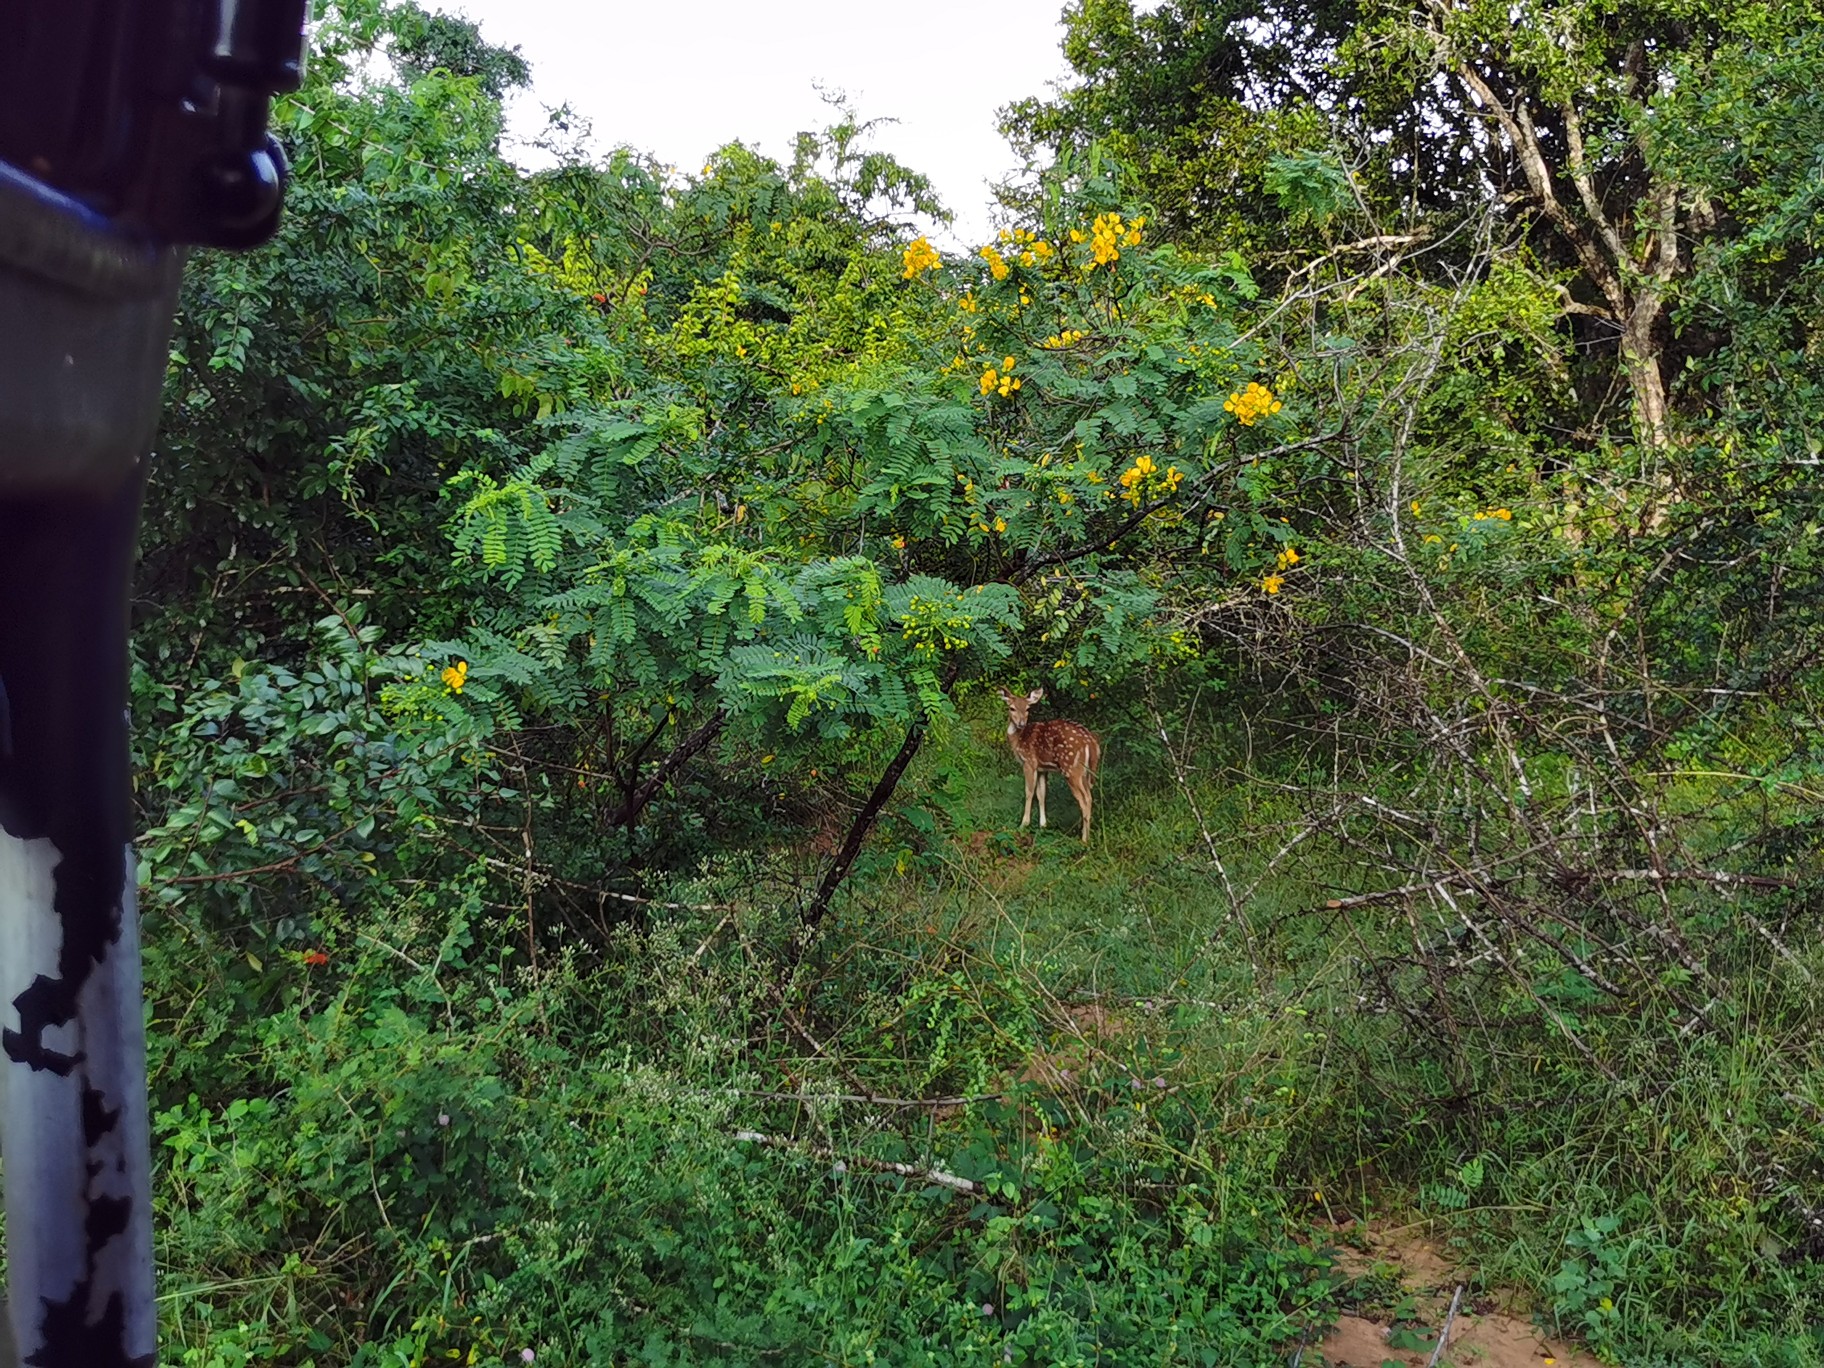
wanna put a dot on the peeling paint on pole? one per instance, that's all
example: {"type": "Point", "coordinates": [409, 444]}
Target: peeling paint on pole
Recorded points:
{"type": "Point", "coordinates": [82, 1083]}
{"type": "Point", "coordinates": [73, 1129]}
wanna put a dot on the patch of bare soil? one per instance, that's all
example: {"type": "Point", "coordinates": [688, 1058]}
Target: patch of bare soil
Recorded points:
{"type": "Point", "coordinates": [1086, 1027]}
{"type": "Point", "coordinates": [1412, 1282]}
{"type": "Point", "coordinates": [1000, 874]}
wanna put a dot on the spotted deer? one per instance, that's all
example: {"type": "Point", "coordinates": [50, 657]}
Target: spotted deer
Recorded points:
{"type": "Point", "coordinates": [1067, 747]}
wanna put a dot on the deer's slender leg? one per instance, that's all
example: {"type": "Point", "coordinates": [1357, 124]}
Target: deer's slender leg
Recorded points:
{"type": "Point", "coordinates": [1032, 774]}
{"type": "Point", "coordinates": [1041, 799]}
{"type": "Point", "coordinates": [1079, 786]}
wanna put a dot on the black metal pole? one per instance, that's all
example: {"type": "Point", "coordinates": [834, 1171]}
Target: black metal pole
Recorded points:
{"type": "Point", "coordinates": [126, 126]}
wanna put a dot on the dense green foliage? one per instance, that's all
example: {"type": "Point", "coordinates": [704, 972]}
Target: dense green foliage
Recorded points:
{"type": "Point", "coordinates": [583, 907]}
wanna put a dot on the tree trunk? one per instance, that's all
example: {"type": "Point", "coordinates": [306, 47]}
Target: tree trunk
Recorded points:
{"type": "Point", "coordinates": [1633, 290]}
{"type": "Point", "coordinates": [1639, 347]}
{"type": "Point", "coordinates": [1640, 361]}
{"type": "Point", "coordinates": [858, 833]}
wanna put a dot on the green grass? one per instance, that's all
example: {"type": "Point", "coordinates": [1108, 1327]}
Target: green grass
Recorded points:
{"type": "Point", "coordinates": [1656, 1211]}
{"type": "Point", "coordinates": [1167, 1103]}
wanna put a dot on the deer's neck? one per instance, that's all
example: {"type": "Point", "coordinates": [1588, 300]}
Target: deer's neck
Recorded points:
{"type": "Point", "coordinates": [1026, 738]}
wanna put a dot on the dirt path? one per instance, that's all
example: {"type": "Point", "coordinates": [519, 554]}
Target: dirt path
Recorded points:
{"type": "Point", "coordinates": [1406, 1284]}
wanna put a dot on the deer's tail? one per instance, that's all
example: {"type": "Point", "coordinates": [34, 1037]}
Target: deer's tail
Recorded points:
{"type": "Point", "coordinates": [1095, 758]}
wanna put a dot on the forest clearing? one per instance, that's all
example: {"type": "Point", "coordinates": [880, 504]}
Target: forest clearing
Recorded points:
{"type": "Point", "coordinates": [597, 629]}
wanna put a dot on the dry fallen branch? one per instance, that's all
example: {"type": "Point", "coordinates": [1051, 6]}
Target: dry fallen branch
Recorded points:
{"type": "Point", "coordinates": [657, 902]}
{"type": "Point", "coordinates": [1444, 1334]}
{"type": "Point", "coordinates": [929, 1175]}
{"type": "Point", "coordinates": [861, 1099]}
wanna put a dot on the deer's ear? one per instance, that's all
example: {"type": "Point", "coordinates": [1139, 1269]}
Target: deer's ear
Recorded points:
{"type": "Point", "coordinates": [1006, 697]}
{"type": "Point", "coordinates": [1036, 696]}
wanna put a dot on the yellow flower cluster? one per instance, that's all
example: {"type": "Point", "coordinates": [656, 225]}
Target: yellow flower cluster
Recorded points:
{"type": "Point", "coordinates": [967, 303]}
{"type": "Point", "coordinates": [1108, 235]}
{"type": "Point", "coordinates": [1283, 562]}
{"type": "Point", "coordinates": [1136, 478]}
{"type": "Point", "coordinates": [997, 264]}
{"type": "Point", "coordinates": [1504, 514]}
{"type": "Point", "coordinates": [1032, 248]}
{"type": "Point", "coordinates": [1252, 404]}
{"type": "Point", "coordinates": [1068, 338]}
{"type": "Point", "coordinates": [1002, 381]}
{"type": "Point", "coordinates": [1136, 474]}
{"type": "Point", "coordinates": [920, 256]}
{"type": "Point", "coordinates": [456, 676]}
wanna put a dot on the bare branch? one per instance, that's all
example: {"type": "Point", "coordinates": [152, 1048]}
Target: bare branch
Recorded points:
{"type": "Point", "coordinates": [929, 1175]}
{"type": "Point", "coordinates": [1579, 172]}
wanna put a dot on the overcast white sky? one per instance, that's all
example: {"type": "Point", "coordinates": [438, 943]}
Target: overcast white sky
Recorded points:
{"type": "Point", "coordinates": [681, 79]}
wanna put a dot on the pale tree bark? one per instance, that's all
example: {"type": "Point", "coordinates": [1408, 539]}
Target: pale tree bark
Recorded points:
{"type": "Point", "coordinates": [1633, 280]}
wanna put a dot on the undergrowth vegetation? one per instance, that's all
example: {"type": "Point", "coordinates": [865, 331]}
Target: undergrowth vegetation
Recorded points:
{"type": "Point", "coordinates": [585, 916]}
